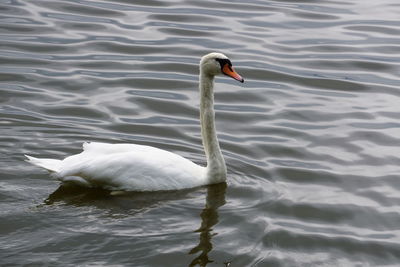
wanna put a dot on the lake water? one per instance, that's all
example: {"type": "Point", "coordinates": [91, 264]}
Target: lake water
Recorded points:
{"type": "Point", "coordinates": [311, 139]}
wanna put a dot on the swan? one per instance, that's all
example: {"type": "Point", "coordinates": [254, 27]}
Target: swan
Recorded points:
{"type": "Point", "coordinates": [132, 167]}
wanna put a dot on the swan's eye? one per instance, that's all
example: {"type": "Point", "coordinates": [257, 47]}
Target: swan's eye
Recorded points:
{"type": "Point", "coordinates": [223, 61]}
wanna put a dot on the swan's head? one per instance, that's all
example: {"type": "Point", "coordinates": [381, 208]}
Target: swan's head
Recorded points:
{"type": "Point", "coordinates": [217, 64]}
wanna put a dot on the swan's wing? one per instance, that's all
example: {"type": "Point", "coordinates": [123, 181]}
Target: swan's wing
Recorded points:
{"type": "Point", "coordinates": [132, 167]}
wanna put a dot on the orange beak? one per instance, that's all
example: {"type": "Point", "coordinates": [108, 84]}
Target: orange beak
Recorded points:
{"type": "Point", "coordinates": [229, 71]}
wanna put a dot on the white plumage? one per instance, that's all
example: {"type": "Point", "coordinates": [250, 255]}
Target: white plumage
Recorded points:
{"type": "Point", "coordinates": [131, 167]}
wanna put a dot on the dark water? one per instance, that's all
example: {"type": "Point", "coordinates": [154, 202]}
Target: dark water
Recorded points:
{"type": "Point", "coordinates": [311, 139]}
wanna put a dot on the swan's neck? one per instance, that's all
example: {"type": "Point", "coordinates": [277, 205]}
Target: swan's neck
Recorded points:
{"type": "Point", "coordinates": [216, 169]}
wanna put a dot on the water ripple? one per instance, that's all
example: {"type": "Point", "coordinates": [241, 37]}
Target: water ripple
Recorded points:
{"type": "Point", "coordinates": [310, 139]}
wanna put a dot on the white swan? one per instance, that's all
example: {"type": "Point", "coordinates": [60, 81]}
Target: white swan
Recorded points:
{"type": "Point", "coordinates": [130, 167]}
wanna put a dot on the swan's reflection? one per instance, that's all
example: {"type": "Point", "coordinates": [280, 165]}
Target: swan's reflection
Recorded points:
{"type": "Point", "coordinates": [75, 195]}
{"type": "Point", "coordinates": [124, 204]}
{"type": "Point", "coordinates": [134, 202]}
{"type": "Point", "coordinates": [209, 217]}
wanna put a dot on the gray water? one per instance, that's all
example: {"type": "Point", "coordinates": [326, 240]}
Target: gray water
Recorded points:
{"type": "Point", "coordinates": [311, 139]}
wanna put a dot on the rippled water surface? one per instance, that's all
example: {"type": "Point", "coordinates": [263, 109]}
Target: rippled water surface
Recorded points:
{"type": "Point", "coordinates": [311, 139]}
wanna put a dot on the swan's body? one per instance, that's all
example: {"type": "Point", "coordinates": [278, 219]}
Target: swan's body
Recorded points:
{"type": "Point", "coordinates": [125, 167]}
{"type": "Point", "coordinates": [132, 167]}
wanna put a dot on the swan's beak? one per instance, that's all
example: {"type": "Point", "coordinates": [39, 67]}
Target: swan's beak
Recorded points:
{"type": "Point", "coordinates": [229, 71]}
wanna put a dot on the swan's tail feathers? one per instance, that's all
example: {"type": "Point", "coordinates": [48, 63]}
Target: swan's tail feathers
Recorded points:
{"type": "Point", "coordinates": [52, 165]}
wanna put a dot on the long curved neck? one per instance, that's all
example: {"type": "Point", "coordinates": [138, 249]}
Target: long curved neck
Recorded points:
{"type": "Point", "coordinates": [216, 169]}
